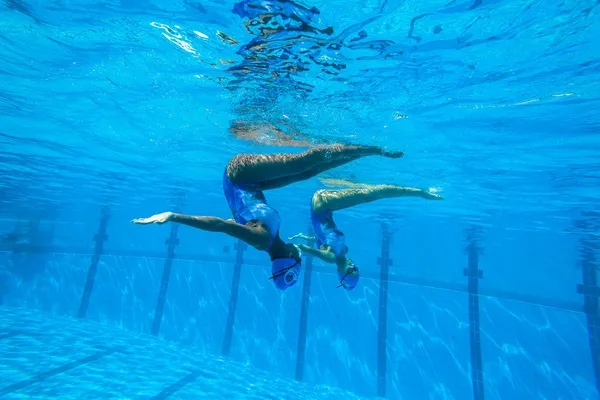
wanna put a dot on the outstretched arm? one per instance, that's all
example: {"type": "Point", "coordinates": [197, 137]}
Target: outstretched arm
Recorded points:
{"type": "Point", "coordinates": [325, 255]}
{"type": "Point", "coordinates": [254, 236]}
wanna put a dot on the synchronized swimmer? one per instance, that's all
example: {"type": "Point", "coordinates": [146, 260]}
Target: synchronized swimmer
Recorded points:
{"type": "Point", "coordinates": [330, 241]}
{"type": "Point", "coordinates": [255, 222]}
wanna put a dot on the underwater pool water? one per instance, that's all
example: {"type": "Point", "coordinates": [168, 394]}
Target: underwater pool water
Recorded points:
{"type": "Point", "coordinates": [113, 110]}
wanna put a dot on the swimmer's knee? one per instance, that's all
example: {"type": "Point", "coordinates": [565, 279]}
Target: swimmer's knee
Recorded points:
{"type": "Point", "coordinates": [233, 168]}
{"type": "Point", "coordinates": [318, 202]}
{"type": "Point", "coordinates": [317, 196]}
{"type": "Point", "coordinates": [230, 171]}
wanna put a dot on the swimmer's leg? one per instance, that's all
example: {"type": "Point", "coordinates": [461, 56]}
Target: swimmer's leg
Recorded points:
{"type": "Point", "coordinates": [332, 200]}
{"type": "Point", "coordinates": [288, 180]}
{"type": "Point", "coordinates": [261, 168]}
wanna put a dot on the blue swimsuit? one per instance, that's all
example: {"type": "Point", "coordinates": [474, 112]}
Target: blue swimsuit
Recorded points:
{"type": "Point", "coordinates": [249, 204]}
{"type": "Point", "coordinates": [326, 232]}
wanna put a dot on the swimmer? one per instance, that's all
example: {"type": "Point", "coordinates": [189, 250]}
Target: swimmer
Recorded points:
{"type": "Point", "coordinates": [330, 241]}
{"type": "Point", "coordinates": [255, 222]}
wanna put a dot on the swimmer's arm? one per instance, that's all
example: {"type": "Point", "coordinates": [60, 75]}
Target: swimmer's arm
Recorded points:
{"type": "Point", "coordinates": [325, 255]}
{"type": "Point", "coordinates": [251, 235]}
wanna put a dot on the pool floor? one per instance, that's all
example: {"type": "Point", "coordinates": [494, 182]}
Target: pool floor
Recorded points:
{"type": "Point", "coordinates": [48, 356]}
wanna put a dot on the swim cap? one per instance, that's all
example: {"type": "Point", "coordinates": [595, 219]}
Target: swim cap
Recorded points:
{"type": "Point", "coordinates": [348, 282]}
{"type": "Point", "coordinates": [285, 272]}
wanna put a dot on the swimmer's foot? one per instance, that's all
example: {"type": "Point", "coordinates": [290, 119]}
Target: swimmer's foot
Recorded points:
{"type": "Point", "coordinates": [391, 154]}
{"type": "Point", "coordinates": [428, 195]}
{"type": "Point", "coordinates": [357, 151]}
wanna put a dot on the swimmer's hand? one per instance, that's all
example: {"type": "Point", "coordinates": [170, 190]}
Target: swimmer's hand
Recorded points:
{"type": "Point", "coordinates": [155, 219]}
{"type": "Point", "coordinates": [302, 236]}
{"type": "Point", "coordinates": [297, 236]}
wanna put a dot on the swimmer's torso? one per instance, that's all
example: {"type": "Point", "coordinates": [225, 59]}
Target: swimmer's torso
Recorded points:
{"type": "Point", "coordinates": [326, 232]}
{"type": "Point", "coordinates": [249, 204]}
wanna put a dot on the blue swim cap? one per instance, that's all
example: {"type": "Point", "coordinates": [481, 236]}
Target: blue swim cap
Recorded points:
{"type": "Point", "coordinates": [286, 272]}
{"type": "Point", "coordinates": [348, 282]}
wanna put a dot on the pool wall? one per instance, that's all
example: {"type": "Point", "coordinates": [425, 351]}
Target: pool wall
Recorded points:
{"type": "Point", "coordinates": [438, 313]}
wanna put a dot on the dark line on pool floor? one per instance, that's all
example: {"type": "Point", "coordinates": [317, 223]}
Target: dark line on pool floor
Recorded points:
{"type": "Point", "coordinates": [384, 263]}
{"type": "Point", "coordinates": [56, 371]}
{"type": "Point", "coordinates": [8, 335]}
{"type": "Point", "coordinates": [591, 305]}
{"type": "Point", "coordinates": [171, 242]}
{"type": "Point", "coordinates": [474, 274]}
{"type": "Point", "coordinates": [594, 339]}
{"type": "Point", "coordinates": [180, 384]}
{"type": "Point", "coordinates": [304, 307]}
{"type": "Point", "coordinates": [99, 239]}
{"type": "Point", "coordinates": [235, 287]}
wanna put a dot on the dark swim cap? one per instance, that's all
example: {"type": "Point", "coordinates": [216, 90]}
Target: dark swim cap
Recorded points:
{"type": "Point", "coordinates": [286, 272]}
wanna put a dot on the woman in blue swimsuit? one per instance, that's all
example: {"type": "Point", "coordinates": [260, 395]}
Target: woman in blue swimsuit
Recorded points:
{"type": "Point", "coordinates": [330, 241]}
{"type": "Point", "coordinates": [257, 223]}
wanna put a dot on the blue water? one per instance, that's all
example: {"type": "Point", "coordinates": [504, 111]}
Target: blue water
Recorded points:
{"type": "Point", "coordinates": [121, 109]}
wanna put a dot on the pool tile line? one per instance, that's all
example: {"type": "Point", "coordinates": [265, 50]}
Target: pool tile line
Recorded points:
{"type": "Point", "coordinates": [99, 238]}
{"type": "Point", "coordinates": [8, 335]}
{"type": "Point", "coordinates": [172, 241]}
{"type": "Point", "coordinates": [24, 332]}
{"type": "Point", "coordinates": [594, 338]}
{"type": "Point", "coordinates": [474, 274]}
{"type": "Point", "coordinates": [240, 247]}
{"type": "Point", "coordinates": [180, 384]}
{"type": "Point", "coordinates": [384, 262]}
{"type": "Point", "coordinates": [591, 292]}
{"type": "Point", "coordinates": [55, 371]}
{"type": "Point", "coordinates": [304, 307]}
